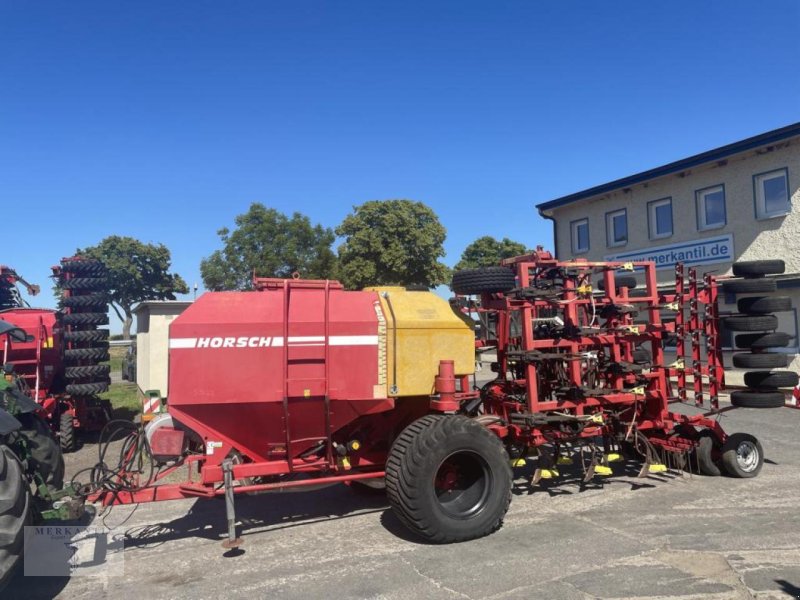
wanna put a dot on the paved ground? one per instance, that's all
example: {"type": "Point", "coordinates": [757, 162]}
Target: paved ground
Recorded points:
{"type": "Point", "coordinates": [663, 537]}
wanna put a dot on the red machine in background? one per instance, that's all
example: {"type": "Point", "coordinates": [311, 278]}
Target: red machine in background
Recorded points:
{"type": "Point", "coordinates": [301, 383]}
{"type": "Point", "coordinates": [60, 365]}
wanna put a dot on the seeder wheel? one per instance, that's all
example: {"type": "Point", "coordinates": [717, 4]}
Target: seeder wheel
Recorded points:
{"type": "Point", "coordinates": [742, 455]}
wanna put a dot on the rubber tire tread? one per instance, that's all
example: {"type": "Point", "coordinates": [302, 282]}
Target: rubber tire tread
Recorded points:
{"type": "Point", "coordinates": [703, 451]}
{"type": "Point", "coordinates": [85, 267]}
{"type": "Point", "coordinates": [749, 286]}
{"type": "Point", "coordinates": [97, 354]}
{"type": "Point", "coordinates": [758, 268]}
{"type": "Point", "coordinates": [405, 482]}
{"type": "Point", "coordinates": [87, 389]}
{"type": "Point", "coordinates": [771, 379]}
{"type": "Point", "coordinates": [46, 457]}
{"type": "Point", "coordinates": [85, 283]}
{"type": "Point", "coordinates": [729, 456]}
{"type": "Point", "coordinates": [750, 322]}
{"type": "Point", "coordinates": [760, 360]}
{"type": "Point", "coordinates": [764, 304]}
{"type": "Point", "coordinates": [621, 281]}
{"type": "Point", "coordinates": [759, 341]}
{"type": "Point", "coordinates": [757, 399]}
{"type": "Point", "coordinates": [66, 433]}
{"type": "Point", "coordinates": [98, 299]}
{"type": "Point", "coordinates": [15, 498]}
{"type": "Point", "coordinates": [485, 280]}
{"type": "Point", "coordinates": [95, 318]}
{"type": "Point", "coordinates": [87, 371]}
{"type": "Point", "coordinates": [95, 335]}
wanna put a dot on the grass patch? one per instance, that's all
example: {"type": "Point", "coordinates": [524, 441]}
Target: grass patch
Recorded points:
{"type": "Point", "coordinates": [124, 400]}
{"type": "Point", "coordinates": [117, 355]}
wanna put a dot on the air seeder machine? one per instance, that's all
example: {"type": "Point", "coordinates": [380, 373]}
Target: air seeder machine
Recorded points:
{"type": "Point", "coordinates": [300, 383]}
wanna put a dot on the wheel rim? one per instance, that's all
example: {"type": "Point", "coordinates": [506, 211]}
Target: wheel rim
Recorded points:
{"type": "Point", "coordinates": [462, 484]}
{"type": "Point", "coordinates": [747, 456]}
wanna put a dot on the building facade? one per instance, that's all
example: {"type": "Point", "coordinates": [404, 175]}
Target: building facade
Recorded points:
{"type": "Point", "coordinates": [737, 202]}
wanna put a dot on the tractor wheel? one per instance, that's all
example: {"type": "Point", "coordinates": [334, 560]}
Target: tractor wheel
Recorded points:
{"type": "Point", "coordinates": [96, 372]}
{"type": "Point", "coordinates": [749, 286]}
{"type": "Point", "coordinates": [95, 335]}
{"type": "Point", "coordinates": [15, 502]}
{"type": "Point", "coordinates": [85, 283]}
{"type": "Point", "coordinates": [621, 281]}
{"type": "Point", "coordinates": [99, 354]}
{"type": "Point", "coordinates": [760, 360]}
{"type": "Point", "coordinates": [66, 433]}
{"type": "Point", "coordinates": [759, 341]}
{"type": "Point", "coordinates": [95, 299]}
{"type": "Point", "coordinates": [705, 451]}
{"type": "Point", "coordinates": [45, 454]}
{"type": "Point", "coordinates": [742, 455]}
{"type": "Point", "coordinates": [448, 479]}
{"type": "Point", "coordinates": [87, 389]}
{"type": "Point", "coordinates": [764, 304]}
{"type": "Point", "coordinates": [758, 399]}
{"type": "Point", "coordinates": [486, 280]}
{"type": "Point", "coordinates": [85, 267]}
{"type": "Point", "coordinates": [750, 323]}
{"type": "Point", "coordinates": [85, 319]}
{"type": "Point", "coordinates": [368, 487]}
{"type": "Point", "coordinates": [771, 379]}
{"type": "Point", "coordinates": [758, 268]}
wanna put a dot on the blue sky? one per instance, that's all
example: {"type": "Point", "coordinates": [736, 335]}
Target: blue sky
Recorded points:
{"type": "Point", "coordinates": [164, 120]}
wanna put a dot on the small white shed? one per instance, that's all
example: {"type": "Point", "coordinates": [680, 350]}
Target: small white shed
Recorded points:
{"type": "Point", "coordinates": [153, 319]}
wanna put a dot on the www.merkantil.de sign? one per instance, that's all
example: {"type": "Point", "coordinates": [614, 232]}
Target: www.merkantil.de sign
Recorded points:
{"type": "Point", "coordinates": [698, 252]}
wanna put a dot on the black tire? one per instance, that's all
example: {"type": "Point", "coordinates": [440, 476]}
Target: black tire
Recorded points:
{"type": "Point", "coordinates": [97, 354]}
{"type": "Point", "coordinates": [749, 286]}
{"type": "Point", "coordinates": [417, 463]}
{"type": "Point", "coordinates": [750, 323]}
{"type": "Point", "coordinates": [85, 283]}
{"type": "Point", "coordinates": [486, 280]}
{"type": "Point", "coordinates": [705, 451]}
{"type": "Point", "coordinates": [372, 489]}
{"type": "Point", "coordinates": [742, 455]}
{"type": "Point", "coordinates": [759, 341]}
{"type": "Point", "coordinates": [760, 360]}
{"type": "Point", "coordinates": [757, 399]}
{"type": "Point", "coordinates": [758, 268]}
{"type": "Point", "coordinates": [771, 379]}
{"type": "Point", "coordinates": [764, 304]}
{"type": "Point", "coordinates": [642, 356]}
{"type": "Point", "coordinates": [87, 372]}
{"type": "Point", "coordinates": [620, 281]}
{"type": "Point", "coordinates": [97, 299]}
{"type": "Point", "coordinates": [15, 500]}
{"type": "Point", "coordinates": [85, 267]}
{"type": "Point", "coordinates": [85, 319]}
{"type": "Point", "coordinates": [45, 454]}
{"type": "Point", "coordinates": [96, 335]}
{"type": "Point", "coordinates": [87, 389]}
{"type": "Point", "coordinates": [66, 433]}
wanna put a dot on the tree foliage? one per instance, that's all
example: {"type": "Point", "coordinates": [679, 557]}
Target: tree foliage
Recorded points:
{"type": "Point", "coordinates": [136, 272]}
{"type": "Point", "coordinates": [270, 244]}
{"type": "Point", "coordinates": [487, 251]}
{"type": "Point", "coordinates": [392, 242]}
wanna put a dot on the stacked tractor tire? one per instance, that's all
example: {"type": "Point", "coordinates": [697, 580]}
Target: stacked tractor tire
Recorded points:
{"type": "Point", "coordinates": [9, 297]}
{"type": "Point", "coordinates": [759, 324]}
{"type": "Point", "coordinates": [84, 285]}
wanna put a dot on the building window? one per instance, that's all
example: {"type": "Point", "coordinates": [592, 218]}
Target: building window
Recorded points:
{"type": "Point", "coordinates": [772, 194]}
{"type": "Point", "coordinates": [617, 228]}
{"type": "Point", "coordinates": [659, 220]}
{"type": "Point", "coordinates": [711, 208]}
{"type": "Point", "coordinates": [580, 236]}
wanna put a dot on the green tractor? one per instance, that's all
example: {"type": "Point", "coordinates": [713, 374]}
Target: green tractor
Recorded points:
{"type": "Point", "coordinates": [31, 467]}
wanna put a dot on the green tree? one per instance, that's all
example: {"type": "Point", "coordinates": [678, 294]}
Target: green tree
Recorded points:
{"type": "Point", "coordinates": [136, 272]}
{"type": "Point", "coordinates": [392, 242]}
{"type": "Point", "coordinates": [486, 251]}
{"type": "Point", "coordinates": [269, 244]}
